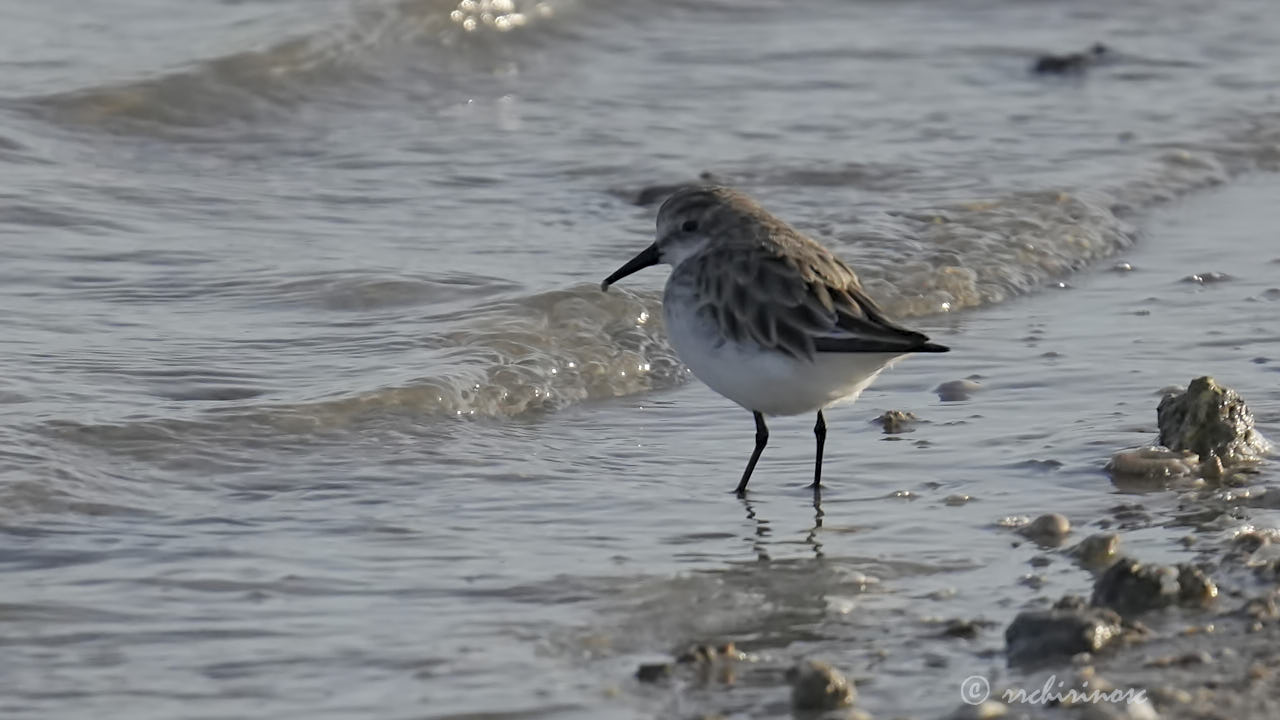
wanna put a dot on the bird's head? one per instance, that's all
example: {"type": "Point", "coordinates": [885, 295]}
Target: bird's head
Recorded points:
{"type": "Point", "coordinates": [683, 224]}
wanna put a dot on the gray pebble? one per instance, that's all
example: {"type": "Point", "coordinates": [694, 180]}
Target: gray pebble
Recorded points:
{"type": "Point", "coordinates": [1097, 550]}
{"type": "Point", "coordinates": [1048, 529]}
{"type": "Point", "coordinates": [957, 390]}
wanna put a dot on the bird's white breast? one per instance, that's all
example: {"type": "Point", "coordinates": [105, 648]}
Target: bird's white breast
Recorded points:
{"type": "Point", "coordinates": [761, 379]}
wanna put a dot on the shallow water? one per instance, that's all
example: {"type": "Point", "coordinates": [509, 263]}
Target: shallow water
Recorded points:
{"type": "Point", "coordinates": [311, 406]}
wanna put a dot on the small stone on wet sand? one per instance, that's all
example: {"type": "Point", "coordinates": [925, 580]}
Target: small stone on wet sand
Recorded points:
{"type": "Point", "coordinates": [1037, 636]}
{"type": "Point", "coordinates": [1048, 529]}
{"type": "Point", "coordinates": [1097, 550]}
{"type": "Point", "coordinates": [1153, 463]}
{"type": "Point", "coordinates": [815, 685]}
{"type": "Point", "coordinates": [957, 390]}
{"type": "Point", "coordinates": [1131, 587]}
{"type": "Point", "coordinates": [897, 421]}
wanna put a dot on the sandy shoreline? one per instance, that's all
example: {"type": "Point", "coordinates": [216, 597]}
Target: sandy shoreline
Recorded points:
{"type": "Point", "coordinates": [1220, 660]}
{"type": "Point", "coordinates": [1192, 299]}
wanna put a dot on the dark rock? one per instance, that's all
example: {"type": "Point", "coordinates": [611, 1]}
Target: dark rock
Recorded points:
{"type": "Point", "coordinates": [1097, 550]}
{"type": "Point", "coordinates": [653, 672]}
{"type": "Point", "coordinates": [1072, 63]}
{"type": "Point", "coordinates": [1211, 421]}
{"type": "Point", "coordinates": [1036, 636]}
{"type": "Point", "coordinates": [1195, 589]}
{"type": "Point", "coordinates": [1071, 602]}
{"type": "Point", "coordinates": [1130, 587]}
{"type": "Point", "coordinates": [965, 629]}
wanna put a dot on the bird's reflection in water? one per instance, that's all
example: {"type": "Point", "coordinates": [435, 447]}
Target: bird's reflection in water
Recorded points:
{"type": "Point", "coordinates": [760, 538]}
{"type": "Point", "coordinates": [762, 532]}
{"type": "Point", "coordinates": [812, 538]}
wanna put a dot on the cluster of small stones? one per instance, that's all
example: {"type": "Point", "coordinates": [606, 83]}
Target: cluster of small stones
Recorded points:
{"type": "Point", "coordinates": [1205, 421]}
{"type": "Point", "coordinates": [815, 685]}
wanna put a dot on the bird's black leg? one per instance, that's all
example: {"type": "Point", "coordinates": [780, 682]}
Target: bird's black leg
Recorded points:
{"type": "Point", "coordinates": [819, 431]}
{"type": "Point", "coordinates": [762, 437]}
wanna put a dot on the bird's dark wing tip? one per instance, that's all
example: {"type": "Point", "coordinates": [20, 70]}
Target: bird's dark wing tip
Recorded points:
{"type": "Point", "coordinates": [897, 346]}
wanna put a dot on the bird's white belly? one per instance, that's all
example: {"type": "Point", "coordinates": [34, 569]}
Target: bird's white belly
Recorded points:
{"type": "Point", "coordinates": [768, 381]}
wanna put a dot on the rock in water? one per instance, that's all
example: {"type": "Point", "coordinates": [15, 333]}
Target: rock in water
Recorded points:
{"type": "Point", "coordinates": [957, 390]}
{"type": "Point", "coordinates": [1048, 529]}
{"type": "Point", "coordinates": [1038, 636]}
{"type": "Point", "coordinates": [896, 421]}
{"type": "Point", "coordinates": [1211, 421]}
{"type": "Point", "coordinates": [1153, 463]}
{"type": "Point", "coordinates": [816, 685]}
{"type": "Point", "coordinates": [1097, 550]}
{"type": "Point", "coordinates": [1131, 587]}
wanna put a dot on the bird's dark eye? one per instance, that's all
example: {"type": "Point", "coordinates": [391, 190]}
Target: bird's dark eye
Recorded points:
{"type": "Point", "coordinates": [689, 225]}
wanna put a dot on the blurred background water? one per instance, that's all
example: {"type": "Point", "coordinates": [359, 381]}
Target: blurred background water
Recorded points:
{"type": "Point", "coordinates": [310, 405]}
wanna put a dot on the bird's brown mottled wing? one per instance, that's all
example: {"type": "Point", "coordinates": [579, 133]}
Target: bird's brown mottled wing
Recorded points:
{"type": "Point", "coordinates": [801, 302]}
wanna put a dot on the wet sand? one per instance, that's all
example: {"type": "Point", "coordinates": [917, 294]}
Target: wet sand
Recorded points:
{"type": "Point", "coordinates": [1080, 367]}
{"type": "Point", "coordinates": [1221, 661]}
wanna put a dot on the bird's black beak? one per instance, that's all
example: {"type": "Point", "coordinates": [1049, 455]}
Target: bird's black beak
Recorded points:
{"type": "Point", "coordinates": [647, 258]}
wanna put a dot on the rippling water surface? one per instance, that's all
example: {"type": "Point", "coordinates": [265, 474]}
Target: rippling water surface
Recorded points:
{"type": "Point", "coordinates": [310, 405]}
